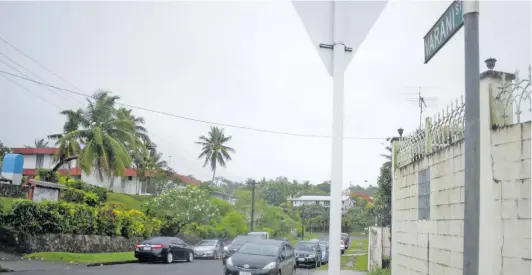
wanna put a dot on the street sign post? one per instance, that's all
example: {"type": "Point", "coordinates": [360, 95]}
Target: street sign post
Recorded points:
{"type": "Point", "coordinates": [337, 28]}
{"type": "Point", "coordinates": [465, 13]}
{"type": "Point", "coordinates": [449, 23]}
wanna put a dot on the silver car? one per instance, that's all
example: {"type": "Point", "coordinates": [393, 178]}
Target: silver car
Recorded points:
{"type": "Point", "coordinates": [212, 249]}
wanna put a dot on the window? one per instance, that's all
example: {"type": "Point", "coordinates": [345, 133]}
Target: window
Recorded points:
{"type": "Point", "coordinates": [130, 178]}
{"type": "Point", "coordinates": [424, 194]}
{"type": "Point", "coordinates": [39, 161]}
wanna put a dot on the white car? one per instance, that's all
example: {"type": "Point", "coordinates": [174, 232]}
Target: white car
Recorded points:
{"type": "Point", "coordinates": [342, 246]}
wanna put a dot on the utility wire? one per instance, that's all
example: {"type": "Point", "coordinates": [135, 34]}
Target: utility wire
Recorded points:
{"type": "Point", "coordinates": [35, 75]}
{"type": "Point", "coordinates": [192, 119]}
{"type": "Point", "coordinates": [35, 94]}
{"type": "Point", "coordinates": [36, 62]}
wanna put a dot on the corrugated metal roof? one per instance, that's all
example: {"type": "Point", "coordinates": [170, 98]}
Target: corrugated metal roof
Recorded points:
{"type": "Point", "coordinates": [317, 198]}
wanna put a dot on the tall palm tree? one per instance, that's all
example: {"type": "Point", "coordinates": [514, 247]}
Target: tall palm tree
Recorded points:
{"type": "Point", "coordinates": [38, 143]}
{"type": "Point", "coordinates": [104, 134]}
{"type": "Point", "coordinates": [214, 150]}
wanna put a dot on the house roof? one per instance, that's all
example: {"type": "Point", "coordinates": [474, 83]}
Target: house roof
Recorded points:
{"type": "Point", "coordinates": [317, 198]}
{"type": "Point", "coordinates": [34, 151]}
{"type": "Point", "coordinates": [128, 172]}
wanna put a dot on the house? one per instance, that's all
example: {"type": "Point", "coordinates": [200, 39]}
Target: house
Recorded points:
{"type": "Point", "coordinates": [324, 201]}
{"type": "Point", "coordinates": [223, 196]}
{"type": "Point", "coordinates": [43, 158]}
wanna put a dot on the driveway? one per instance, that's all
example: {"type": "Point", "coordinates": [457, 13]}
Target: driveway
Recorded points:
{"type": "Point", "coordinates": [197, 267]}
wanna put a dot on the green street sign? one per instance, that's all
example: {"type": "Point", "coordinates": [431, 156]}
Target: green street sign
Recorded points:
{"type": "Point", "coordinates": [448, 24]}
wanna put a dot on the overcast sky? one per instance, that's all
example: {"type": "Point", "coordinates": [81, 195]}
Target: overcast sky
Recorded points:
{"type": "Point", "coordinates": [243, 63]}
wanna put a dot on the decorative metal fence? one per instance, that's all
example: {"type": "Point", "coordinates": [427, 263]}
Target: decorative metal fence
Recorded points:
{"type": "Point", "coordinates": [447, 127]}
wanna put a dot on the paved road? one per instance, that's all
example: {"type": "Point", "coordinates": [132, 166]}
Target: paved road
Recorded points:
{"type": "Point", "coordinates": [198, 267]}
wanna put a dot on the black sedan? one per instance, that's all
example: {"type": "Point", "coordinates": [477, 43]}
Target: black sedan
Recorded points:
{"type": "Point", "coordinates": [262, 257]}
{"type": "Point", "coordinates": [168, 249]}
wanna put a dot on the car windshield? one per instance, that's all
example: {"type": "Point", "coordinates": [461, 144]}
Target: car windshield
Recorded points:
{"type": "Point", "coordinates": [207, 243]}
{"type": "Point", "coordinates": [259, 249]}
{"type": "Point", "coordinates": [243, 239]}
{"type": "Point", "coordinates": [160, 240]}
{"type": "Point", "coordinates": [305, 246]}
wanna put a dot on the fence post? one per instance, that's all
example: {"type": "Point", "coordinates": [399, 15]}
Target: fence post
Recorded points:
{"type": "Point", "coordinates": [428, 139]}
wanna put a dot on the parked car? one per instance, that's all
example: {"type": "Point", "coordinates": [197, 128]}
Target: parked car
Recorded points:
{"type": "Point", "coordinates": [260, 256]}
{"type": "Point", "coordinates": [345, 238]}
{"type": "Point", "coordinates": [324, 252]}
{"type": "Point", "coordinates": [308, 254]}
{"type": "Point", "coordinates": [168, 249]}
{"type": "Point", "coordinates": [237, 242]}
{"type": "Point", "coordinates": [264, 235]}
{"type": "Point", "coordinates": [212, 249]}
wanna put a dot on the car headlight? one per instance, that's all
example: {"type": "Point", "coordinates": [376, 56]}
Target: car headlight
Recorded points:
{"type": "Point", "coordinates": [226, 248]}
{"type": "Point", "coordinates": [229, 262]}
{"type": "Point", "coordinates": [312, 255]}
{"type": "Point", "coordinates": [271, 265]}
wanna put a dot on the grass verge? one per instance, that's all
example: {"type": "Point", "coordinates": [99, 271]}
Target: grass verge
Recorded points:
{"type": "Point", "coordinates": [355, 262]}
{"type": "Point", "coordinates": [85, 258]}
{"type": "Point", "coordinates": [385, 271]}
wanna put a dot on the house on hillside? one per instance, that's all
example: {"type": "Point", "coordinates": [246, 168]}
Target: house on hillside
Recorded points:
{"type": "Point", "coordinates": [223, 196]}
{"type": "Point", "coordinates": [43, 158]}
{"type": "Point", "coordinates": [324, 201]}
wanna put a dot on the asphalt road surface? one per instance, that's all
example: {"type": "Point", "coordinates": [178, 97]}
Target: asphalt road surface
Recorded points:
{"type": "Point", "coordinates": [197, 267]}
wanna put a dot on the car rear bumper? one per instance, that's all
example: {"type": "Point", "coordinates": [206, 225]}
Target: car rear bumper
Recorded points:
{"type": "Point", "coordinates": [150, 255]}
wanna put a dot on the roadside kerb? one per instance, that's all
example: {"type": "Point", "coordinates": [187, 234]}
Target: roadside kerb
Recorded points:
{"type": "Point", "coordinates": [111, 263]}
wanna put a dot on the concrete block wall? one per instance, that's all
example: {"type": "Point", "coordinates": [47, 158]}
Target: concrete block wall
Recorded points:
{"type": "Point", "coordinates": [435, 246]}
{"type": "Point", "coordinates": [511, 198]}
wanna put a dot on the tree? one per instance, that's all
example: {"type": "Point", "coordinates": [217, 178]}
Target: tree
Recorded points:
{"type": "Point", "coordinates": [180, 207]}
{"type": "Point", "coordinates": [38, 143]}
{"type": "Point", "coordinates": [3, 151]}
{"type": "Point", "coordinates": [150, 166]}
{"type": "Point", "coordinates": [214, 149]}
{"type": "Point", "coordinates": [108, 138]}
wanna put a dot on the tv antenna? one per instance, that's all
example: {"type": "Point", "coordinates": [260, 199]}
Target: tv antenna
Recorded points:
{"type": "Point", "coordinates": [423, 102]}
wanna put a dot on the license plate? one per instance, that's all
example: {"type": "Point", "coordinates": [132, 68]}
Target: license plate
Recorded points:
{"type": "Point", "coordinates": [301, 259]}
{"type": "Point", "coordinates": [244, 273]}
{"type": "Point", "coordinates": [146, 248]}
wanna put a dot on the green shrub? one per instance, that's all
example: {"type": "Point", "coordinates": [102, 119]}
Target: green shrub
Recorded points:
{"type": "Point", "coordinates": [47, 175]}
{"type": "Point", "coordinates": [109, 222]}
{"type": "Point", "coordinates": [25, 217]}
{"type": "Point", "coordinates": [100, 192]}
{"type": "Point", "coordinates": [73, 195]}
{"type": "Point", "coordinates": [84, 219]}
{"type": "Point", "coordinates": [91, 199]}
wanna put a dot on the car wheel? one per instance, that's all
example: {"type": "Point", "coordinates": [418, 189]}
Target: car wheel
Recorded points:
{"type": "Point", "coordinates": [141, 260]}
{"type": "Point", "coordinates": [190, 257]}
{"type": "Point", "coordinates": [169, 258]}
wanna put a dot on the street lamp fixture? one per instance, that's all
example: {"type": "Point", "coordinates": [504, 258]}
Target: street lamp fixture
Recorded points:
{"type": "Point", "coordinates": [490, 63]}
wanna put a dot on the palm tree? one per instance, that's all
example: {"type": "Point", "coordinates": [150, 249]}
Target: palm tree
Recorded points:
{"type": "Point", "coordinates": [39, 143]}
{"type": "Point", "coordinates": [105, 135]}
{"type": "Point", "coordinates": [214, 150]}
{"type": "Point", "coordinates": [149, 166]}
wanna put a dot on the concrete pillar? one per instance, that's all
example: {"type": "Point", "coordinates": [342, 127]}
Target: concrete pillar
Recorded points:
{"type": "Point", "coordinates": [492, 112]}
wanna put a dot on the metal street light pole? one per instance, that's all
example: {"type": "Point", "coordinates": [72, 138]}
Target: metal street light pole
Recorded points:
{"type": "Point", "coordinates": [471, 138]}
